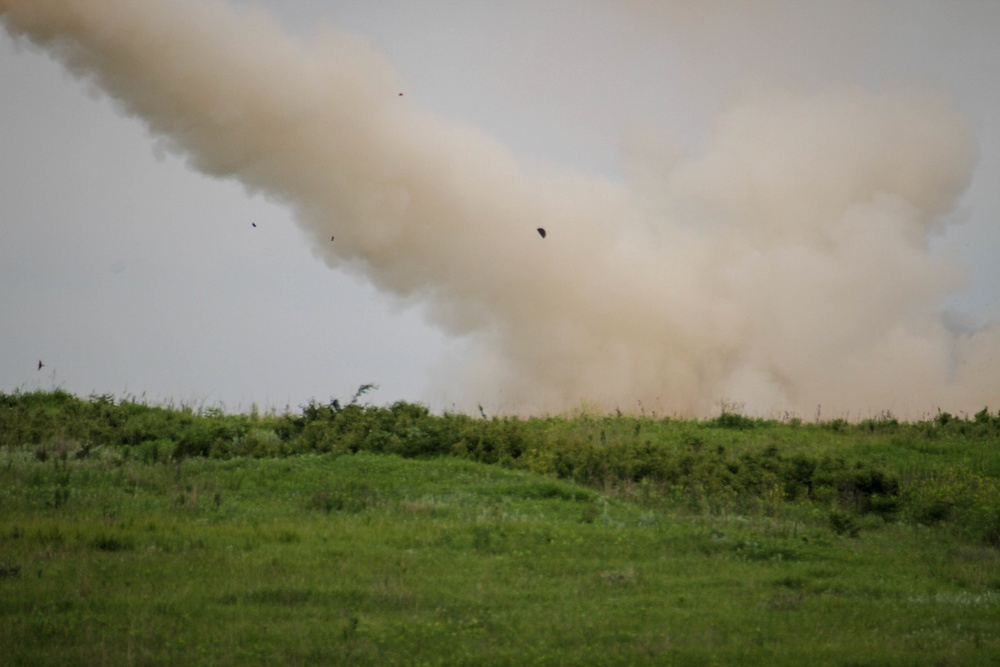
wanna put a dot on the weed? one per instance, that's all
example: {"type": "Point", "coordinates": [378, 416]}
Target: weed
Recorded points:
{"type": "Point", "coordinates": [351, 498]}
{"type": "Point", "coordinates": [112, 543]}
{"type": "Point", "coordinates": [843, 523]}
{"type": "Point", "coordinates": [61, 485]}
{"type": "Point", "coordinates": [589, 513]}
{"type": "Point", "coordinates": [350, 629]}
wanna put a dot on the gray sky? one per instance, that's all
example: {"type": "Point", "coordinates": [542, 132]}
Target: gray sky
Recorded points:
{"type": "Point", "coordinates": [128, 272]}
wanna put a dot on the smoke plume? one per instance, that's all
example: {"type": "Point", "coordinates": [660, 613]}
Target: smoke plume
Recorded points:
{"type": "Point", "coordinates": [784, 266]}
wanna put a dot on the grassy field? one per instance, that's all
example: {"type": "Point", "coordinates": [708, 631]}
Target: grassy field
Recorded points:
{"type": "Point", "coordinates": [349, 534]}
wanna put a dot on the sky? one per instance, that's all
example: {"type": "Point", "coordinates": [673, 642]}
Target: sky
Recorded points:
{"type": "Point", "coordinates": [788, 207]}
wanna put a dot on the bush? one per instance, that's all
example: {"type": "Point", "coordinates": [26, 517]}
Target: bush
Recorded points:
{"type": "Point", "coordinates": [733, 420]}
{"type": "Point", "coordinates": [969, 501]}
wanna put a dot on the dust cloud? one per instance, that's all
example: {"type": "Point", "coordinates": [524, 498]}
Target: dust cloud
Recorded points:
{"type": "Point", "coordinates": [784, 266]}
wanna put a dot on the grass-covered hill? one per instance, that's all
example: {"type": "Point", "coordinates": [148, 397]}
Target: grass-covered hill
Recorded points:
{"type": "Point", "coordinates": [357, 534]}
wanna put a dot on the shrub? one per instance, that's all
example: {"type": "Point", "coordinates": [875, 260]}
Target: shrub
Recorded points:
{"type": "Point", "coordinates": [732, 420]}
{"type": "Point", "coordinates": [969, 501]}
{"type": "Point", "coordinates": [843, 523]}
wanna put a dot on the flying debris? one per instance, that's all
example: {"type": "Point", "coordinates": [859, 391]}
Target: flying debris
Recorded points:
{"type": "Point", "coordinates": [40, 364]}
{"type": "Point", "coordinates": [541, 232]}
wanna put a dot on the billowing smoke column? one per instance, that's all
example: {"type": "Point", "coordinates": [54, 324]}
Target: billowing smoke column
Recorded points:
{"type": "Point", "coordinates": [786, 266]}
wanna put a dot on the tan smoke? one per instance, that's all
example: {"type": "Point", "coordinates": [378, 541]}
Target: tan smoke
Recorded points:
{"type": "Point", "coordinates": [784, 266]}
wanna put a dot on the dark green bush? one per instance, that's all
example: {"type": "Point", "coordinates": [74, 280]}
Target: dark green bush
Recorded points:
{"type": "Point", "coordinates": [733, 420]}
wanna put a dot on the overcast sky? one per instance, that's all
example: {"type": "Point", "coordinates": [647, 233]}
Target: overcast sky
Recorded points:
{"type": "Point", "coordinates": [127, 271]}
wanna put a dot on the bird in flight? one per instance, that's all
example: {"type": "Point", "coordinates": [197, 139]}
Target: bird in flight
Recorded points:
{"type": "Point", "coordinates": [254, 224]}
{"type": "Point", "coordinates": [541, 232]}
{"type": "Point", "coordinates": [331, 238]}
{"type": "Point", "coordinates": [40, 364]}
{"type": "Point", "coordinates": [401, 94]}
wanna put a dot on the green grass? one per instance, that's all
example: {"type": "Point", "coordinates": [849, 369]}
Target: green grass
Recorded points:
{"type": "Point", "coordinates": [702, 546]}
